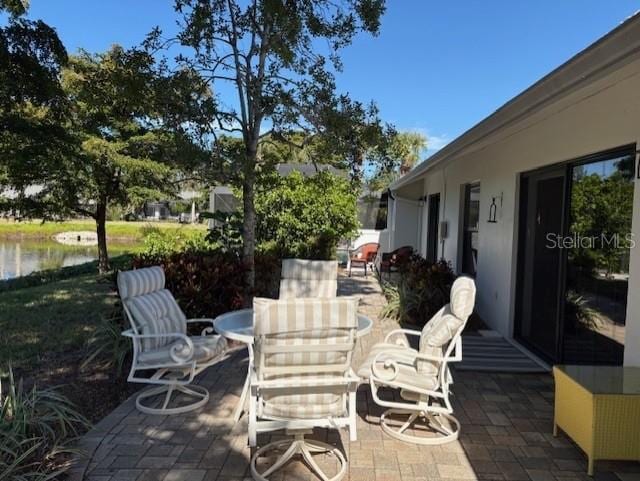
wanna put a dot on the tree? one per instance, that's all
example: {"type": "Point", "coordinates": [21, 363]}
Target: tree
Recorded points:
{"type": "Point", "coordinates": [120, 146]}
{"type": "Point", "coordinates": [305, 217]}
{"type": "Point", "coordinates": [406, 149]}
{"type": "Point", "coordinates": [402, 152]}
{"type": "Point", "coordinates": [277, 56]}
{"type": "Point", "coordinates": [127, 154]}
{"type": "Point", "coordinates": [33, 106]}
{"type": "Point", "coordinates": [600, 211]}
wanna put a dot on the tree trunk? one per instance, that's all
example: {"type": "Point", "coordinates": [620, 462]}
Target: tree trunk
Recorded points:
{"type": "Point", "coordinates": [101, 230]}
{"type": "Point", "coordinates": [249, 223]}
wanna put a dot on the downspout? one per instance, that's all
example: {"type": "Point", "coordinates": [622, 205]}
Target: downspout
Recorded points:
{"type": "Point", "coordinates": [444, 210]}
{"type": "Point", "coordinates": [392, 232]}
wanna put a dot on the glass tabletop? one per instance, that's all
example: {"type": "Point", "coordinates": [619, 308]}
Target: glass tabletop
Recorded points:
{"type": "Point", "coordinates": [238, 325]}
{"type": "Point", "coordinates": [605, 379]}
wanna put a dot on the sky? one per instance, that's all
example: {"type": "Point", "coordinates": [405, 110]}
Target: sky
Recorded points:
{"type": "Point", "coordinates": [437, 67]}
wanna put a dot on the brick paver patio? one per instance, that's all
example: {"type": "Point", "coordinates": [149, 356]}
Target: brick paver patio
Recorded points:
{"type": "Point", "coordinates": [506, 432]}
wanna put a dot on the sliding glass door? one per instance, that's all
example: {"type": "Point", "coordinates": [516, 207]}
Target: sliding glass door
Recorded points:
{"type": "Point", "coordinates": [542, 197]}
{"type": "Point", "coordinates": [573, 264]}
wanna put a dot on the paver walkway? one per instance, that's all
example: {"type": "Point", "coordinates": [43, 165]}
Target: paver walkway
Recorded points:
{"type": "Point", "coordinates": [506, 432]}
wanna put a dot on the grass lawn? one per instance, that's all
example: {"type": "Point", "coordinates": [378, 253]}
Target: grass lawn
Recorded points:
{"type": "Point", "coordinates": [43, 322]}
{"type": "Point", "coordinates": [115, 229]}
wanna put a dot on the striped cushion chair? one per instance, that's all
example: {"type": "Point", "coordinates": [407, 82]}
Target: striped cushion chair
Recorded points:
{"type": "Point", "coordinates": [302, 376]}
{"type": "Point", "coordinates": [422, 375]}
{"type": "Point", "coordinates": [161, 344]}
{"type": "Point", "coordinates": [306, 278]}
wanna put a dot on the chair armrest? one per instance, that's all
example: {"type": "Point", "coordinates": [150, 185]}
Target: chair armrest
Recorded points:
{"type": "Point", "coordinates": [173, 350]}
{"type": "Point", "coordinates": [207, 330]}
{"type": "Point", "coordinates": [390, 359]}
{"type": "Point", "coordinates": [403, 342]}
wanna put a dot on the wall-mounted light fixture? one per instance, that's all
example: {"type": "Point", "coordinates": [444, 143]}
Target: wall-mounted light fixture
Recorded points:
{"type": "Point", "coordinates": [493, 209]}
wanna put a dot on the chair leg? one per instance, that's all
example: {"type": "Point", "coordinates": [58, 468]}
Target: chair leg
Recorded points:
{"type": "Point", "coordinates": [304, 448]}
{"type": "Point", "coordinates": [253, 421]}
{"type": "Point", "coordinates": [199, 393]}
{"type": "Point", "coordinates": [432, 421]}
{"type": "Point", "coordinates": [353, 434]}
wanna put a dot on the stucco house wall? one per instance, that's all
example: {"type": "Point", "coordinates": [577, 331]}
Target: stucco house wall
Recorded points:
{"type": "Point", "coordinates": [569, 117]}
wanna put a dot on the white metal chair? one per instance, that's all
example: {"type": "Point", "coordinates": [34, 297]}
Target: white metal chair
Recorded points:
{"type": "Point", "coordinates": [422, 376]}
{"type": "Point", "coordinates": [161, 345]}
{"type": "Point", "coordinates": [302, 377]}
{"type": "Point", "coordinates": [306, 278]}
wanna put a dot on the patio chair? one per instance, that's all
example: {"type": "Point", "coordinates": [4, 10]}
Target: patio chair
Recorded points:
{"type": "Point", "coordinates": [302, 377]}
{"type": "Point", "coordinates": [363, 256]}
{"type": "Point", "coordinates": [391, 261]}
{"type": "Point", "coordinates": [161, 344]}
{"type": "Point", "coordinates": [306, 278]}
{"type": "Point", "coordinates": [422, 376]}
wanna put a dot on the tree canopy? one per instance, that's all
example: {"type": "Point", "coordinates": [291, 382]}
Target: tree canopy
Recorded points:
{"type": "Point", "coordinates": [276, 60]}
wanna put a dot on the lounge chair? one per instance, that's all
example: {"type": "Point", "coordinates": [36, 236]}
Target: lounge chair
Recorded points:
{"type": "Point", "coordinates": [363, 255]}
{"type": "Point", "coordinates": [307, 278]}
{"type": "Point", "coordinates": [391, 261]}
{"type": "Point", "coordinates": [161, 344]}
{"type": "Point", "coordinates": [422, 376]}
{"type": "Point", "coordinates": [302, 377]}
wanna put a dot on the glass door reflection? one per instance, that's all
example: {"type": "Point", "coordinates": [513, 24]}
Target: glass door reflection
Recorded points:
{"type": "Point", "coordinates": [597, 269]}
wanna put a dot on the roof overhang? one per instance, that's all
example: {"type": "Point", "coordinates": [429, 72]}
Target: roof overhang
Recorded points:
{"type": "Point", "coordinates": [615, 49]}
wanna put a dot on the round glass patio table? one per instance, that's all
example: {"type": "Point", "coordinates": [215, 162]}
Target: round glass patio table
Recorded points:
{"type": "Point", "coordinates": [238, 326]}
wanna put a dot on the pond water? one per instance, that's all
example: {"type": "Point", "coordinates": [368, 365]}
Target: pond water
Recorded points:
{"type": "Point", "coordinates": [24, 256]}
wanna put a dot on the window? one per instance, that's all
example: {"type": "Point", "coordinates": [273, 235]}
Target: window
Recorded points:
{"type": "Point", "coordinates": [471, 219]}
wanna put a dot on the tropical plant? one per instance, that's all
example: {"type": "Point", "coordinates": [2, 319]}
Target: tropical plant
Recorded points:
{"type": "Point", "coordinates": [108, 347]}
{"type": "Point", "coordinates": [36, 426]}
{"type": "Point", "coordinates": [306, 217]}
{"type": "Point", "coordinates": [275, 55]}
{"type": "Point", "coordinates": [423, 288]}
{"type": "Point", "coordinates": [406, 148]}
{"type": "Point", "coordinates": [578, 313]}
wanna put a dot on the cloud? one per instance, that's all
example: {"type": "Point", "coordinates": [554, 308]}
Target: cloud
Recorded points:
{"type": "Point", "coordinates": [435, 141]}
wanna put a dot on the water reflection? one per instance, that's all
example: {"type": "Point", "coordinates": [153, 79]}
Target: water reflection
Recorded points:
{"type": "Point", "coordinates": [22, 257]}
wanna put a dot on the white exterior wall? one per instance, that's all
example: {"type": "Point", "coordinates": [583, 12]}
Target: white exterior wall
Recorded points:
{"type": "Point", "coordinates": [371, 235]}
{"type": "Point", "coordinates": [407, 223]}
{"type": "Point", "coordinates": [602, 115]}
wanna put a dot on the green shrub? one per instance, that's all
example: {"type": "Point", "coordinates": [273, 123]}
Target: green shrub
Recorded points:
{"type": "Point", "coordinates": [210, 283]}
{"type": "Point", "coordinates": [159, 243]}
{"type": "Point", "coordinates": [305, 217]}
{"type": "Point", "coordinates": [423, 289]}
{"type": "Point", "coordinates": [35, 427]}
{"type": "Point", "coordinates": [227, 231]}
